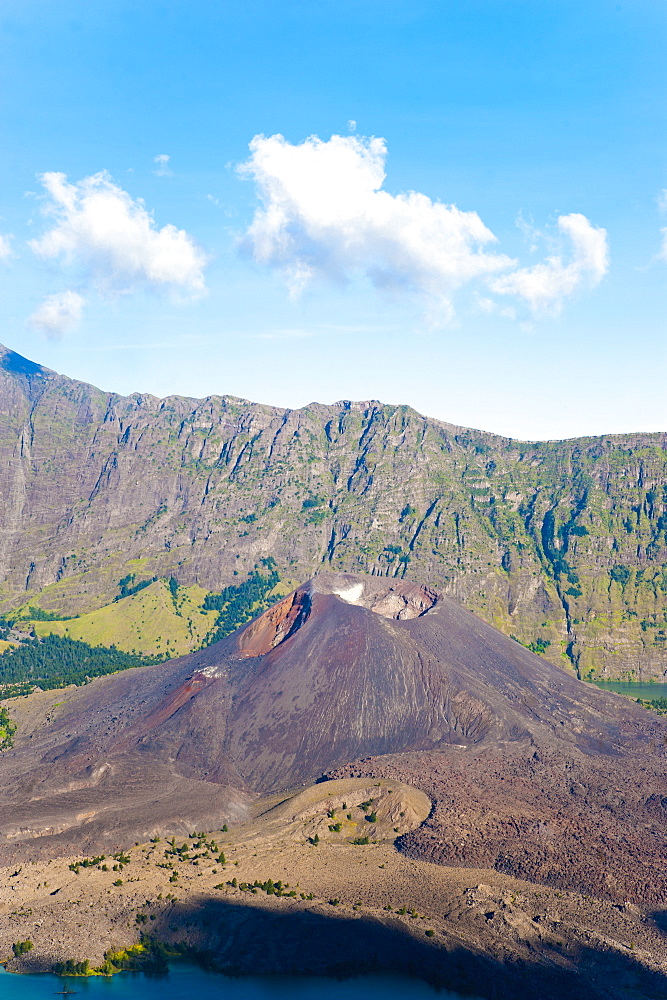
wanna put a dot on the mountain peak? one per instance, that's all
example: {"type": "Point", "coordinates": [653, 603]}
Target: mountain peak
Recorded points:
{"type": "Point", "coordinates": [16, 364]}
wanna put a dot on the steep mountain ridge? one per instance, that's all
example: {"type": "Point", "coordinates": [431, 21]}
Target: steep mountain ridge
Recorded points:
{"type": "Point", "coordinates": [561, 544]}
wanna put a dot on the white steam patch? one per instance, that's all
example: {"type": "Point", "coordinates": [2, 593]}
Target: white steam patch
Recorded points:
{"type": "Point", "coordinates": [352, 594]}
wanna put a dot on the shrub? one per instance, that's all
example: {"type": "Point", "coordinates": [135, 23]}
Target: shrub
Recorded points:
{"type": "Point", "coordinates": [21, 947]}
{"type": "Point", "coordinates": [540, 645]}
{"type": "Point", "coordinates": [72, 968]}
{"type": "Point", "coordinates": [86, 863]}
{"type": "Point", "coordinates": [7, 730]}
{"type": "Point", "coordinates": [620, 574]}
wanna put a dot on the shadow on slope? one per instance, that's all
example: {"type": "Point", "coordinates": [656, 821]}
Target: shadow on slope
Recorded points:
{"type": "Point", "coordinates": [240, 940]}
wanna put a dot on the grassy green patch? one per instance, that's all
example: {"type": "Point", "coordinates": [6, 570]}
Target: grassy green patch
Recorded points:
{"type": "Point", "coordinates": [152, 621]}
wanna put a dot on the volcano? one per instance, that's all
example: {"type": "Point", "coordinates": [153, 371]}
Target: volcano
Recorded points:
{"type": "Point", "coordinates": [530, 770]}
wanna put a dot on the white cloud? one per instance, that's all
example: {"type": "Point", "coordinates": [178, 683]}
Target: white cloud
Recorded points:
{"type": "Point", "coordinates": [545, 286]}
{"type": "Point", "coordinates": [113, 241]}
{"type": "Point", "coordinates": [5, 246]}
{"type": "Point", "coordinates": [324, 213]}
{"type": "Point", "coordinates": [58, 314]}
{"type": "Point", "coordinates": [493, 308]}
{"type": "Point", "coordinates": [163, 169]}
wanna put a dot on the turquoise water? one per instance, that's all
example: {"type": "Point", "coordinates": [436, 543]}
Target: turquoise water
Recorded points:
{"type": "Point", "coordinates": [634, 689]}
{"type": "Point", "coordinates": [187, 982]}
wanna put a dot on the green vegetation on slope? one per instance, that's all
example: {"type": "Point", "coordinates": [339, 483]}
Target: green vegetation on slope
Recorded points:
{"type": "Point", "coordinates": [127, 586]}
{"type": "Point", "coordinates": [37, 614]}
{"type": "Point", "coordinates": [156, 620]}
{"type": "Point", "coordinates": [161, 617]}
{"type": "Point", "coordinates": [7, 730]}
{"type": "Point", "coordinates": [56, 661]}
{"type": "Point", "coordinates": [240, 603]}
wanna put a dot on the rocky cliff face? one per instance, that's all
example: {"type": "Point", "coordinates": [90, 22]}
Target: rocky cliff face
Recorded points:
{"type": "Point", "coordinates": [561, 544]}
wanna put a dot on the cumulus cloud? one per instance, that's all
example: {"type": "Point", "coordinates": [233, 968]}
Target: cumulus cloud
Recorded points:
{"type": "Point", "coordinates": [324, 213]}
{"type": "Point", "coordinates": [5, 246]}
{"type": "Point", "coordinates": [546, 285]}
{"type": "Point", "coordinates": [163, 169]}
{"type": "Point", "coordinates": [58, 314]}
{"type": "Point", "coordinates": [113, 241]}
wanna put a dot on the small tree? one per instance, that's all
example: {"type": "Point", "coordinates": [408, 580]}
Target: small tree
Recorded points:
{"type": "Point", "coordinates": [21, 947]}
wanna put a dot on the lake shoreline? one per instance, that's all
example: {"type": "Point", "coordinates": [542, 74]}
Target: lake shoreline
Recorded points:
{"type": "Point", "coordinates": [205, 984]}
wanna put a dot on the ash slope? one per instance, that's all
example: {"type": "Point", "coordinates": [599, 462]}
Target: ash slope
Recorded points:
{"type": "Point", "coordinates": [530, 770]}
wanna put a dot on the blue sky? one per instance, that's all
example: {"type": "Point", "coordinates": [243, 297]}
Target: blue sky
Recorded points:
{"type": "Point", "coordinates": [535, 308]}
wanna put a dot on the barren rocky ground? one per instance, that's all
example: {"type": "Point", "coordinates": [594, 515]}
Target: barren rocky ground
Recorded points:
{"type": "Point", "coordinates": [355, 906]}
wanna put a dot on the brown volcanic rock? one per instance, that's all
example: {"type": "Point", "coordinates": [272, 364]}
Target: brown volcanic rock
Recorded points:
{"type": "Point", "coordinates": [530, 770]}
